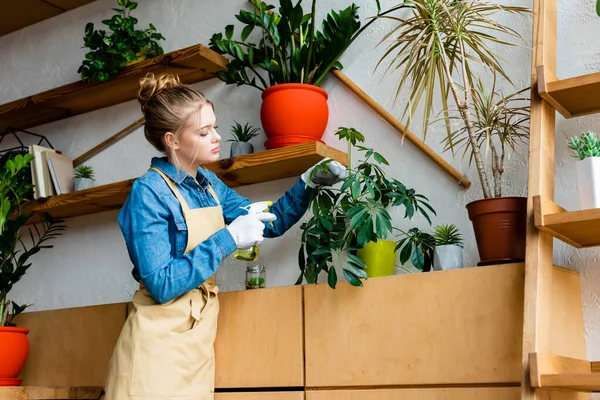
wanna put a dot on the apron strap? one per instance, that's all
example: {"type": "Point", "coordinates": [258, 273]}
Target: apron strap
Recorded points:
{"type": "Point", "coordinates": [214, 195]}
{"type": "Point", "coordinates": [174, 189]}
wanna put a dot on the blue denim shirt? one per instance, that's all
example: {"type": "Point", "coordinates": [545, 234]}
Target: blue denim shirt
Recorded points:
{"type": "Point", "coordinates": [155, 232]}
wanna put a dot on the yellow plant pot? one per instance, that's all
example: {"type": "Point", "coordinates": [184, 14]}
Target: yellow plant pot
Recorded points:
{"type": "Point", "coordinates": [140, 58]}
{"type": "Point", "coordinates": [380, 258]}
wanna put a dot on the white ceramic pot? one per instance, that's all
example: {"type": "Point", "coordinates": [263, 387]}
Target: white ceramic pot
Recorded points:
{"type": "Point", "coordinates": [447, 257]}
{"type": "Point", "coordinates": [240, 148]}
{"type": "Point", "coordinates": [82, 183]}
{"type": "Point", "coordinates": [588, 182]}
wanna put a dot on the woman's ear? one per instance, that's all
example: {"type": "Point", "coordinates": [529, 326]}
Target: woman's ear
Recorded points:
{"type": "Point", "coordinates": [171, 141]}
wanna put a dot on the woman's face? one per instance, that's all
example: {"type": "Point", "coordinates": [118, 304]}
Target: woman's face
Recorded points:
{"type": "Point", "coordinates": [198, 142]}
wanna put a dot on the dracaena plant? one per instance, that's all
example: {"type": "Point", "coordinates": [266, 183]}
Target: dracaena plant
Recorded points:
{"type": "Point", "coordinates": [14, 214]}
{"type": "Point", "coordinates": [447, 234]}
{"type": "Point", "coordinates": [584, 146]}
{"type": "Point", "coordinates": [345, 219]}
{"type": "Point", "coordinates": [437, 46]}
{"type": "Point", "coordinates": [243, 133]}
{"type": "Point", "coordinates": [289, 48]}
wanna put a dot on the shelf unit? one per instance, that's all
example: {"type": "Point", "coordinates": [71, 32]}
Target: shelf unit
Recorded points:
{"type": "Point", "coordinates": [192, 64]}
{"type": "Point", "coordinates": [551, 364]}
{"type": "Point", "coordinates": [15, 15]}
{"type": "Point", "coordinates": [577, 228]}
{"type": "Point", "coordinates": [248, 169]}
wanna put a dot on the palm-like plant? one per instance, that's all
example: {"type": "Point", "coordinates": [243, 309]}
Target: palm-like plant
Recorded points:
{"type": "Point", "coordinates": [447, 235]}
{"type": "Point", "coordinates": [436, 45]}
{"type": "Point", "coordinates": [243, 133]}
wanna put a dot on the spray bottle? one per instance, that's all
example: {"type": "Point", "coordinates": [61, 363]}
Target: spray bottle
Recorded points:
{"type": "Point", "coordinates": [251, 254]}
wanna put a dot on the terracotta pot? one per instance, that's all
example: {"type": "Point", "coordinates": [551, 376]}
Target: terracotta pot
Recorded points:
{"type": "Point", "coordinates": [499, 225]}
{"type": "Point", "coordinates": [293, 113]}
{"type": "Point", "coordinates": [14, 350]}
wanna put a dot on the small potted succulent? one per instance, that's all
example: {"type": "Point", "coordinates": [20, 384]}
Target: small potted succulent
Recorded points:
{"type": "Point", "coordinates": [83, 177]}
{"type": "Point", "coordinates": [586, 148]}
{"type": "Point", "coordinates": [448, 252]}
{"type": "Point", "coordinates": [241, 139]}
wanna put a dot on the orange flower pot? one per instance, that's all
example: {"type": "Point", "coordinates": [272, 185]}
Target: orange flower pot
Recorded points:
{"type": "Point", "coordinates": [14, 350]}
{"type": "Point", "coordinates": [293, 113]}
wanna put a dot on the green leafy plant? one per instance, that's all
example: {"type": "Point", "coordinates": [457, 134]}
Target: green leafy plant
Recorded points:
{"type": "Point", "coordinates": [447, 234]}
{"type": "Point", "coordinates": [24, 175]}
{"type": "Point", "coordinates": [14, 214]}
{"type": "Point", "coordinates": [243, 133]}
{"type": "Point", "coordinates": [84, 171]}
{"type": "Point", "coordinates": [584, 146]}
{"type": "Point", "coordinates": [416, 246]}
{"type": "Point", "coordinates": [111, 52]}
{"type": "Point", "coordinates": [290, 49]}
{"type": "Point", "coordinates": [345, 219]}
{"type": "Point", "coordinates": [437, 46]}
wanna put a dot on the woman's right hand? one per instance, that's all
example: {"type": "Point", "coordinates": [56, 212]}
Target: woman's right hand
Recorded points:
{"type": "Point", "coordinates": [248, 229]}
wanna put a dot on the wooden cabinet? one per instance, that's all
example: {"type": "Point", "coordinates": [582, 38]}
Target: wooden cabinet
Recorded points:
{"type": "Point", "coordinates": [259, 341]}
{"type": "Point", "coordinates": [260, 396]}
{"type": "Point", "coordinates": [450, 327]}
{"type": "Point", "coordinates": [500, 393]}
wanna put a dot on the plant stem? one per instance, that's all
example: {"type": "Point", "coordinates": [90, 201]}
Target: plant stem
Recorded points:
{"type": "Point", "coordinates": [310, 41]}
{"type": "Point", "coordinates": [3, 309]}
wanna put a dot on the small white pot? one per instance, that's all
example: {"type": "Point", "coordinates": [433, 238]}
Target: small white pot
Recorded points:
{"type": "Point", "coordinates": [82, 183]}
{"type": "Point", "coordinates": [447, 257]}
{"type": "Point", "coordinates": [588, 182]}
{"type": "Point", "coordinates": [240, 148]}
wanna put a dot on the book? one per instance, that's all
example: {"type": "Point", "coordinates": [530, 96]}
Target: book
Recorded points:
{"type": "Point", "coordinates": [40, 174]}
{"type": "Point", "coordinates": [61, 172]}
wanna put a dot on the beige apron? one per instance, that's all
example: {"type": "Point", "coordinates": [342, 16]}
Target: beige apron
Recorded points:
{"type": "Point", "coordinates": [166, 351]}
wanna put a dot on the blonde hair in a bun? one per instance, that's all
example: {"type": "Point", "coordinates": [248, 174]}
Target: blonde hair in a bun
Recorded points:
{"type": "Point", "coordinates": [166, 104]}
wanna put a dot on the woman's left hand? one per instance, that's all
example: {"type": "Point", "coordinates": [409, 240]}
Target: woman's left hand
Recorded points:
{"type": "Point", "coordinates": [336, 173]}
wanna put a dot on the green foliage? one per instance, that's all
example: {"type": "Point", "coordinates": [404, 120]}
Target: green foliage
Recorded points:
{"type": "Point", "coordinates": [584, 146]}
{"type": "Point", "coordinates": [289, 49]}
{"type": "Point", "coordinates": [416, 246]}
{"type": "Point", "coordinates": [243, 133]}
{"type": "Point", "coordinates": [84, 171]}
{"type": "Point", "coordinates": [346, 219]}
{"type": "Point", "coordinates": [111, 52]}
{"type": "Point", "coordinates": [14, 254]}
{"type": "Point", "coordinates": [447, 235]}
{"type": "Point", "coordinates": [24, 175]}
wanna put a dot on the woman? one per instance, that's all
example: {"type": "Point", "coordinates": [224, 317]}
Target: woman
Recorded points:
{"type": "Point", "coordinates": [179, 223]}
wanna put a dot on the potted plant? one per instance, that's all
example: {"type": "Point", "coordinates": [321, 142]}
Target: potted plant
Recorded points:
{"type": "Point", "coordinates": [123, 46]}
{"type": "Point", "coordinates": [586, 148]}
{"type": "Point", "coordinates": [448, 251]}
{"type": "Point", "coordinates": [241, 137]}
{"type": "Point", "coordinates": [14, 257]}
{"type": "Point", "coordinates": [83, 177]}
{"type": "Point", "coordinates": [347, 219]}
{"type": "Point", "coordinates": [287, 64]}
{"type": "Point", "coordinates": [435, 46]}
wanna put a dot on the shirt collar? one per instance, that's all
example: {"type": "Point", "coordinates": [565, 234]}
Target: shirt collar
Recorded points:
{"type": "Point", "coordinates": [175, 174]}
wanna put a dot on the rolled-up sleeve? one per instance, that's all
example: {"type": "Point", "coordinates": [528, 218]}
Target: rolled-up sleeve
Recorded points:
{"type": "Point", "coordinates": [144, 221]}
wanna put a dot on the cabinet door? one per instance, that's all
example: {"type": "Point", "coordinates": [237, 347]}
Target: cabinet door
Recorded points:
{"type": "Point", "coordinates": [259, 339]}
{"type": "Point", "coordinates": [450, 327]}
{"type": "Point", "coordinates": [508, 393]}
{"type": "Point", "coordinates": [260, 396]}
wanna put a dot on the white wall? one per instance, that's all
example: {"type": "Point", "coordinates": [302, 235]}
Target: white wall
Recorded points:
{"type": "Point", "coordinates": [89, 265]}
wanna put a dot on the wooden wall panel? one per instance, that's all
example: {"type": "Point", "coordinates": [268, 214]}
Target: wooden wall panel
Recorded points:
{"type": "Point", "coordinates": [260, 396]}
{"type": "Point", "coordinates": [259, 341]}
{"type": "Point", "coordinates": [450, 327]}
{"type": "Point", "coordinates": [499, 393]}
{"type": "Point", "coordinates": [71, 347]}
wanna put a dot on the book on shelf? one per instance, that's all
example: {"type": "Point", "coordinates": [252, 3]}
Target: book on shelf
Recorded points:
{"type": "Point", "coordinates": [40, 174]}
{"type": "Point", "coordinates": [61, 172]}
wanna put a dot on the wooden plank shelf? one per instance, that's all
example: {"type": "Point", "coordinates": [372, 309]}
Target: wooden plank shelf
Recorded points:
{"type": "Point", "coordinates": [556, 372]}
{"type": "Point", "coordinates": [50, 393]}
{"type": "Point", "coordinates": [192, 64]}
{"type": "Point", "coordinates": [571, 97]}
{"type": "Point", "coordinates": [577, 228]}
{"type": "Point", "coordinates": [15, 15]}
{"type": "Point", "coordinates": [248, 169]}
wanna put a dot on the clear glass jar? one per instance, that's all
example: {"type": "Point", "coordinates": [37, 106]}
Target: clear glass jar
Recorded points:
{"type": "Point", "coordinates": [256, 276]}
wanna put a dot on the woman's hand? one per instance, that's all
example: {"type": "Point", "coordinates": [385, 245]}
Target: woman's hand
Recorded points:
{"type": "Point", "coordinates": [248, 229]}
{"type": "Point", "coordinates": [337, 173]}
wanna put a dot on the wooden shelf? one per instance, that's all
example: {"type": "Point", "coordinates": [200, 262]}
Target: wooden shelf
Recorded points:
{"type": "Point", "coordinates": [243, 170]}
{"type": "Point", "coordinates": [577, 228]}
{"type": "Point", "coordinates": [193, 64]}
{"type": "Point", "coordinates": [45, 393]}
{"type": "Point", "coordinates": [15, 15]}
{"type": "Point", "coordinates": [571, 97]}
{"type": "Point", "coordinates": [556, 372]}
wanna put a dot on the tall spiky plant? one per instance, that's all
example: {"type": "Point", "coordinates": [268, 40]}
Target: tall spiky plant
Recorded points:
{"type": "Point", "coordinates": [435, 46]}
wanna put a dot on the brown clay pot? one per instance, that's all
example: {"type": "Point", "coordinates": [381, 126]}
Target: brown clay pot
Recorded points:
{"type": "Point", "coordinates": [499, 225]}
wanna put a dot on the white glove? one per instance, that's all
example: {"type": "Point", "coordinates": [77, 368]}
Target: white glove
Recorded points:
{"type": "Point", "coordinates": [261, 209]}
{"type": "Point", "coordinates": [338, 173]}
{"type": "Point", "coordinates": [247, 230]}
